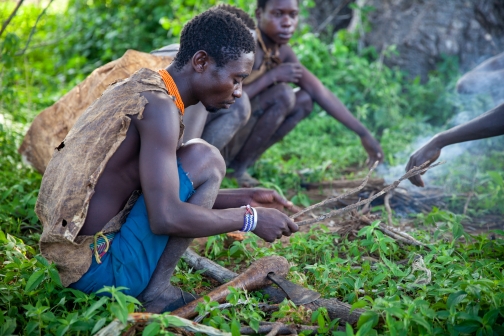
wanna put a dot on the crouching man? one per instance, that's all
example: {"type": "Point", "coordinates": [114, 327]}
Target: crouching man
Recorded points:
{"type": "Point", "coordinates": [121, 199]}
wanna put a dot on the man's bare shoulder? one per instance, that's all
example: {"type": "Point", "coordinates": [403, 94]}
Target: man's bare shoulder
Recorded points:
{"type": "Point", "coordinates": [287, 55]}
{"type": "Point", "coordinates": [160, 119]}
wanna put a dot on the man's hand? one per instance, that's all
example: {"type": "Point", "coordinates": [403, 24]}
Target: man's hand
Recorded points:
{"type": "Point", "coordinates": [373, 149]}
{"type": "Point", "coordinates": [267, 198]}
{"type": "Point", "coordinates": [273, 224]}
{"type": "Point", "coordinates": [429, 152]}
{"type": "Point", "coordinates": [287, 73]}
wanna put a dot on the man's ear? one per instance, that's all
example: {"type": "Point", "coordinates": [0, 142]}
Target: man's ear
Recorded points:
{"type": "Point", "coordinates": [258, 13]}
{"type": "Point", "coordinates": [200, 61]}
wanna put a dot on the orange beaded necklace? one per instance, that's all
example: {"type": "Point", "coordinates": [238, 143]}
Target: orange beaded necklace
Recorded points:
{"type": "Point", "coordinates": [172, 89]}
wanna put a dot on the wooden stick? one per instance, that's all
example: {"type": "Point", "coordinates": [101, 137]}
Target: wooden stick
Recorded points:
{"type": "Point", "coordinates": [413, 172]}
{"type": "Point", "coordinates": [342, 184]}
{"type": "Point", "coordinates": [334, 199]}
{"type": "Point", "coordinates": [335, 308]}
{"type": "Point", "coordinates": [282, 330]}
{"type": "Point", "coordinates": [386, 201]}
{"type": "Point", "coordinates": [211, 269]}
{"type": "Point", "coordinates": [275, 328]}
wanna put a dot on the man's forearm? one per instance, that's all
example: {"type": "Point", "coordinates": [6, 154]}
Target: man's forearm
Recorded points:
{"type": "Point", "coordinates": [231, 198]}
{"type": "Point", "coordinates": [330, 103]}
{"type": "Point", "coordinates": [261, 83]}
{"type": "Point", "coordinates": [487, 125]}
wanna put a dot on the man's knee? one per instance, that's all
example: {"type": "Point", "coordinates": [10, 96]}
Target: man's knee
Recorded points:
{"type": "Point", "coordinates": [242, 109]}
{"type": "Point", "coordinates": [304, 102]}
{"type": "Point", "coordinates": [284, 95]}
{"type": "Point", "coordinates": [202, 162]}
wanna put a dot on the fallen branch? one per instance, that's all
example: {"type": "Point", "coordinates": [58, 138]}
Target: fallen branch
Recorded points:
{"type": "Point", "coordinates": [335, 308]}
{"type": "Point", "coordinates": [275, 328]}
{"type": "Point", "coordinates": [115, 327]}
{"type": "Point", "coordinates": [210, 268]}
{"type": "Point", "coordinates": [9, 19]}
{"type": "Point", "coordinates": [282, 330]}
{"type": "Point", "coordinates": [413, 172]}
{"type": "Point", "coordinates": [334, 199]}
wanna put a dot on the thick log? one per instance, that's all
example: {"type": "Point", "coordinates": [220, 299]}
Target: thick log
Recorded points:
{"type": "Point", "coordinates": [254, 278]}
{"type": "Point", "coordinates": [335, 308]}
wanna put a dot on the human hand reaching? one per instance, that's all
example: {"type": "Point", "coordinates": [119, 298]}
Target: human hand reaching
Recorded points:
{"type": "Point", "coordinates": [430, 152]}
{"type": "Point", "coordinates": [373, 149]}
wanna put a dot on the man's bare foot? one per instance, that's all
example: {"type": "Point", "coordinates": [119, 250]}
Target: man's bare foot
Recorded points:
{"type": "Point", "coordinates": [169, 300]}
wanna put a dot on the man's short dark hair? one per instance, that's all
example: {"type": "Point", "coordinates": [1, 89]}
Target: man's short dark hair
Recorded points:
{"type": "Point", "coordinates": [247, 19]}
{"type": "Point", "coordinates": [221, 34]}
{"type": "Point", "coordinates": [262, 3]}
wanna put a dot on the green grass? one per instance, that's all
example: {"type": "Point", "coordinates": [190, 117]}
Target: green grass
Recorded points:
{"type": "Point", "coordinates": [466, 293]}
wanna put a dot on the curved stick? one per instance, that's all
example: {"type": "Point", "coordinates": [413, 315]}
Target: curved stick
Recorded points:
{"type": "Point", "coordinates": [255, 277]}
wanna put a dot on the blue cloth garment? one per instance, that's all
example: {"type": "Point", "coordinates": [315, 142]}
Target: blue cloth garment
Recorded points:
{"type": "Point", "coordinates": [134, 251]}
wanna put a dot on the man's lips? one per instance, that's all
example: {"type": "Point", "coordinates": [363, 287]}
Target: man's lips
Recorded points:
{"type": "Point", "coordinates": [228, 104]}
{"type": "Point", "coordinates": [285, 36]}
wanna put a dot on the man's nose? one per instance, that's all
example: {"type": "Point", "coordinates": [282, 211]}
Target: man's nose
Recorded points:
{"type": "Point", "coordinates": [286, 21]}
{"type": "Point", "coordinates": [237, 93]}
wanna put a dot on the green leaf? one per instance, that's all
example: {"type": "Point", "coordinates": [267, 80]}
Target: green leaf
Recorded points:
{"type": "Point", "coordinates": [421, 321]}
{"type": "Point", "coordinates": [152, 329]}
{"type": "Point", "coordinates": [490, 317]}
{"type": "Point", "coordinates": [497, 178]}
{"type": "Point", "coordinates": [349, 330]}
{"type": "Point", "coordinates": [467, 327]}
{"type": "Point", "coordinates": [88, 313]}
{"type": "Point", "coordinates": [98, 325]}
{"type": "Point", "coordinates": [365, 329]}
{"type": "Point", "coordinates": [368, 316]}
{"type": "Point", "coordinates": [358, 304]}
{"type": "Point", "coordinates": [235, 327]}
{"type": "Point", "coordinates": [42, 260]}
{"type": "Point", "coordinates": [62, 329]}
{"type": "Point", "coordinates": [34, 280]}
{"type": "Point", "coordinates": [53, 273]}
{"type": "Point", "coordinates": [378, 278]}
{"type": "Point", "coordinates": [8, 327]}
{"type": "Point", "coordinates": [119, 312]}
{"type": "Point", "coordinates": [455, 298]}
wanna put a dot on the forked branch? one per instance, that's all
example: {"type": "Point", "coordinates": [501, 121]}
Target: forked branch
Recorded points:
{"type": "Point", "coordinates": [412, 172]}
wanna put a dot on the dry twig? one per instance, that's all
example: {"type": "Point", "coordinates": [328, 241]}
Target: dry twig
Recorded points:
{"type": "Point", "coordinates": [386, 201]}
{"type": "Point", "coordinates": [413, 172]}
{"type": "Point", "coordinates": [337, 198]}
